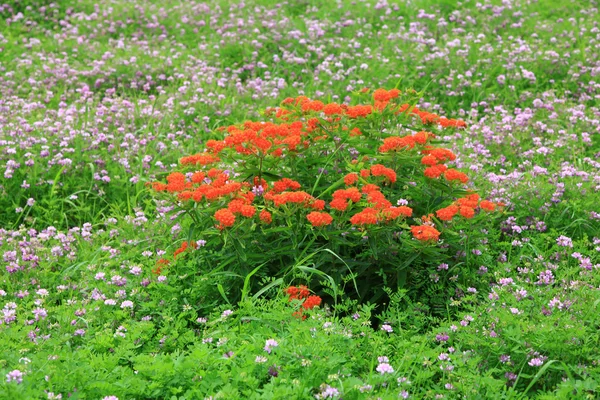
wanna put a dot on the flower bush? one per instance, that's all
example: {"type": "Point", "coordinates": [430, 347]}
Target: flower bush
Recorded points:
{"type": "Point", "coordinates": [358, 198]}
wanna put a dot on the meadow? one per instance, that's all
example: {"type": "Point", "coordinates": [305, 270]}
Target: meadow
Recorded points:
{"type": "Point", "coordinates": [302, 199]}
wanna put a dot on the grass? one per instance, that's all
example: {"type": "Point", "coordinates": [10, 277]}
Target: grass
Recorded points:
{"type": "Point", "coordinates": [99, 98]}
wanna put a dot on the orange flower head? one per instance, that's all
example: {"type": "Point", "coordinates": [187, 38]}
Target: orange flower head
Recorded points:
{"type": "Point", "coordinates": [435, 171]}
{"type": "Point", "coordinates": [266, 217]}
{"type": "Point", "coordinates": [198, 177]}
{"type": "Point", "coordinates": [467, 212]}
{"type": "Point", "coordinates": [425, 233]}
{"type": "Point", "coordinates": [454, 175]}
{"type": "Point", "coordinates": [446, 214]}
{"type": "Point", "coordinates": [297, 293]}
{"type": "Point", "coordinates": [487, 205]}
{"type": "Point", "coordinates": [319, 219]}
{"type": "Point", "coordinates": [311, 302]}
{"type": "Point", "coordinates": [339, 204]}
{"type": "Point", "coordinates": [351, 179]}
{"type": "Point", "coordinates": [248, 211]}
{"type": "Point", "coordinates": [429, 160]}
{"type": "Point", "coordinates": [225, 217]}
{"type": "Point", "coordinates": [381, 170]}
{"type": "Point", "coordinates": [381, 95]}
{"type": "Point", "coordinates": [333, 109]}
{"type": "Point", "coordinates": [368, 188]}
{"type": "Point", "coordinates": [368, 216]}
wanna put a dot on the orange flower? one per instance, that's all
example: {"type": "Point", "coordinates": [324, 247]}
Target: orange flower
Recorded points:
{"type": "Point", "coordinates": [176, 182]}
{"type": "Point", "coordinates": [487, 205]}
{"type": "Point", "coordinates": [436, 171]}
{"type": "Point", "coordinates": [333, 109]}
{"type": "Point", "coordinates": [395, 143]}
{"type": "Point", "coordinates": [184, 247]}
{"type": "Point", "coordinates": [290, 197]}
{"type": "Point", "coordinates": [441, 154]}
{"type": "Point", "coordinates": [466, 202]}
{"type": "Point", "coordinates": [214, 173]}
{"type": "Point", "coordinates": [277, 152]}
{"type": "Point", "coordinates": [454, 175]}
{"type": "Point", "coordinates": [421, 137]}
{"type": "Point", "coordinates": [248, 211]}
{"type": "Point", "coordinates": [368, 188]}
{"type": "Point", "coordinates": [381, 170]}
{"type": "Point", "coordinates": [429, 160]}
{"type": "Point", "coordinates": [359, 111]}
{"type": "Point", "coordinates": [473, 196]}
{"type": "Point", "coordinates": [396, 212]}
{"type": "Point", "coordinates": [297, 293]}
{"type": "Point", "coordinates": [365, 173]}
{"type": "Point", "coordinates": [314, 105]}
{"type": "Point", "coordinates": [225, 217]}
{"type": "Point", "coordinates": [186, 195]}
{"type": "Point", "coordinates": [198, 177]}
{"type": "Point", "coordinates": [368, 216]}
{"type": "Point", "coordinates": [425, 233]}
{"type": "Point", "coordinates": [266, 217]}
{"type": "Point", "coordinates": [339, 204]}
{"type": "Point", "coordinates": [467, 212]}
{"type": "Point", "coordinates": [381, 95]}
{"type": "Point", "coordinates": [446, 214]}
{"type": "Point", "coordinates": [235, 206]}
{"type": "Point", "coordinates": [348, 194]}
{"type": "Point", "coordinates": [355, 132]}
{"type": "Point", "coordinates": [160, 264]}
{"type": "Point", "coordinates": [318, 205]}
{"type": "Point", "coordinates": [200, 159]}
{"type": "Point", "coordinates": [159, 186]}
{"type": "Point", "coordinates": [285, 184]}
{"type": "Point", "coordinates": [351, 179]}
{"type": "Point", "coordinates": [378, 200]}
{"type": "Point", "coordinates": [311, 302]}
{"type": "Point", "coordinates": [394, 93]}
{"type": "Point", "coordinates": [319, 218]}
{"type": "Point", "coordinates": [216, 146]}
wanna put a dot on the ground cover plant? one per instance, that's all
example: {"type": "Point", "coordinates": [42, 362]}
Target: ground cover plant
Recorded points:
{"type": "Point", "coordinates": [302, 199]}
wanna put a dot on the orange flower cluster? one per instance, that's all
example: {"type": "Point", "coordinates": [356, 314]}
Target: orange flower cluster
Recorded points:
{"type": "Point", "coordinates": [465, 206]}
{"type": "Point", "coordinates": [382, 99]}
{"type": "Point", "coordinates": [333, 109]}
{"type": "Point", "coordinates": [359, 111]}
{"type": "Point", "coordinates": [318, 219]}
{"type": "Point", "coordinates": [297, 293]}
{"type": "Point", "coordinates": [266, 217]}
{"type": "Point", "coordinates": [219, 186]}
{"type": "Point", "coordinates": [265, 138]}
{"type": "Point", "coordinates": [306, 122]}
{"type": "Point", "coordinates": [454, 175]}
{"type": "Point", "coordinates": [303, 294]}
{"type": "Point", "coordinates": [385, 95]}
{"type": "Point", "coordinates": [184, 247]}
{"type": "Point", "coordinates": [301, 198]}
{"type": "Point", "coordinates": [397, 143]}
{"type": "Point", "coordinates": [381, 170]}
{"type": "Point", "coordinates": [341, 197]}
{"type": "Point", "coordinates": [199, 159]}
{"type": "Point", "coordinates": [372, 216]}
{"type": "Point", "coordinates": [425, 233]}
{"type": "Point", "coordinates": [431, 118]}
{"type": "Point", "coordinates": [225, 217]}
{"type": "Point", "coordinates": [160, 264]}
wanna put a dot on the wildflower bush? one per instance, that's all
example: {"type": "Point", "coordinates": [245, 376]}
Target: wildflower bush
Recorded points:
{"type": "Point", "coordinates": [352, 199]}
